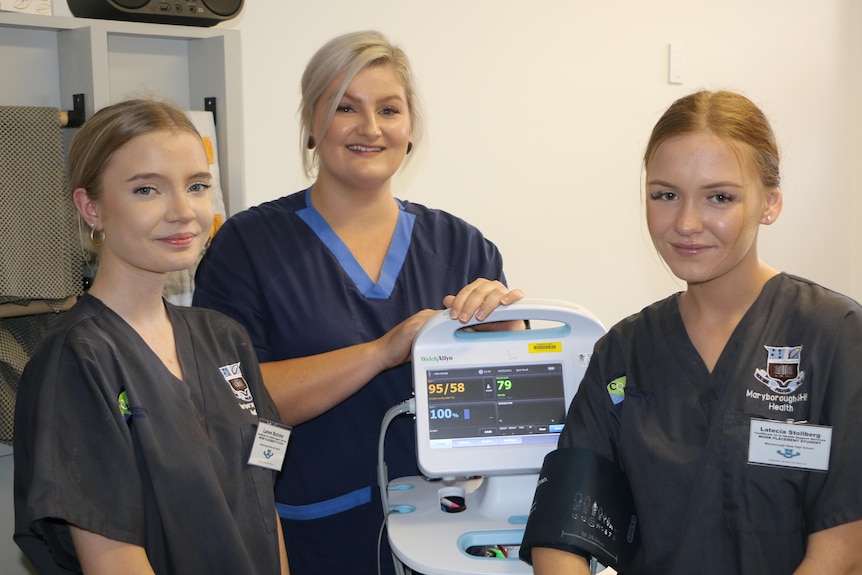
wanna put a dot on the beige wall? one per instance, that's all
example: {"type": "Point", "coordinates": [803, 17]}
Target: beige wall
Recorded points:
{"type": "Point", "coordinates": [854, 22]}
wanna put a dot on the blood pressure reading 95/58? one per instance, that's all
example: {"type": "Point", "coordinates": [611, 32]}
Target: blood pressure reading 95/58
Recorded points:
{"type": "Point", "coordinates": [437, 389]}
{"type": "Point", "coordinates": [496, 401]}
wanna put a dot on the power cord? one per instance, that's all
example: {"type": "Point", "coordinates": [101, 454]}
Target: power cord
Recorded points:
{"type": "Point", "coordinates": [406, 406]}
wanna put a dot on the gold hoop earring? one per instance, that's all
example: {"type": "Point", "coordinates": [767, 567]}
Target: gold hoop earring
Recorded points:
{"type": "Point", "coordinates": [97, 237]}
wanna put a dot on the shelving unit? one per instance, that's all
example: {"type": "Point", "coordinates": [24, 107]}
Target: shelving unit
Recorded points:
{"type": "Point", "coordinates": [46, 60]}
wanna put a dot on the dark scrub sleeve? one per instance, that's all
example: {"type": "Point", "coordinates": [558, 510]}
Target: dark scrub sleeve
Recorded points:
{"type": "Point", "coordinates": [83, 469]}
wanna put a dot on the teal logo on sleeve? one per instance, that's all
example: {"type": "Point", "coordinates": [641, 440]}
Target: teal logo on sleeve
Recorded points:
{"type": "Point", "coordinates": [128, 410]}
{"type": "Point", "coordinates": [123, 403]}
{"type": "Point", "coordinates": [617, 390]}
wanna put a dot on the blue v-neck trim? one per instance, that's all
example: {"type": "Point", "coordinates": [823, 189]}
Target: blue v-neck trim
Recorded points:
{"type": "Point", "coordinates": [394, 257]}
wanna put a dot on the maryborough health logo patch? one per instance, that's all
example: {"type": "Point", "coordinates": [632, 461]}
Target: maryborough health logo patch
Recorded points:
{"type": "Point", "coordinates": [782, 374]}
{"type": "Point", "coordinates": [233, 376]}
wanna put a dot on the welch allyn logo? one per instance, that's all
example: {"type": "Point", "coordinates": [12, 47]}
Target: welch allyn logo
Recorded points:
{"type": "Point", "coordinates": [435, 358]}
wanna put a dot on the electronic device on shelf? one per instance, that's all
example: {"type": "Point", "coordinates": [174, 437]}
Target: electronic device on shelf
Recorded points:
{"type": "Point", "coordinates": [183, 12]}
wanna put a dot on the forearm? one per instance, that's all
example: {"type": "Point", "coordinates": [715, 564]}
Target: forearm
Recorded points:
{"type": "Point", "coordinates": [99, 555]}
{"type": "Point", "coordinates": [836, 551]}
{"type": "Point", "coordinates": [306, 387]}
{"type": "Point", "coordinates": [547, 561]}
{"type": "Point", "coordinates": [835, 566]}
{"type": "Point", "coordinates": [282, 549]}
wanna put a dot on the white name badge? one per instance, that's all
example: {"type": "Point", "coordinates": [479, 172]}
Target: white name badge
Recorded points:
{"type": "Point", "coordinates": [270, 445]}
{"type": "Point", "coordinates": [786, 444]}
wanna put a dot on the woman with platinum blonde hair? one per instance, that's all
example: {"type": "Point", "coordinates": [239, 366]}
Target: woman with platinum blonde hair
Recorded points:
{"type": "Point", "coordinates": [333, 282]}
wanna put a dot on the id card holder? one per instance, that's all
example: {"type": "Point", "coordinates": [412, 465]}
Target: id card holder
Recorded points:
{"type": "Point", "coordinates": [786, 444]}
{"type": "Point", "coordinates": [270, 444]}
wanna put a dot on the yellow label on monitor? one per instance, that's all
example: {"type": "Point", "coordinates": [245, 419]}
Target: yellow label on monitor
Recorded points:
{"type": "Point", "coordinates": [546, 347]}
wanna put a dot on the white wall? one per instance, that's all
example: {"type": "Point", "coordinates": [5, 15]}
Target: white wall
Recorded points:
{"type": "Point", "coordinates": [538, 113]}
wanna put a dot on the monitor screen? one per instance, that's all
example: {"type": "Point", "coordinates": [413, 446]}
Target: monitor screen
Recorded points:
{"type": "Point", "coordinates": [495, 402]}
{"type": "Point", "coordinates": [495, 405]}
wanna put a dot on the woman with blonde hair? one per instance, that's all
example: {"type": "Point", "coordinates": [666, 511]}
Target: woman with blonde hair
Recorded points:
{"type": "Point", "coordinates": [333, 282]}
{"type": "Point", "coordinates": [733, 406]}
{"type": "Point", "coordinates": [136, 419]}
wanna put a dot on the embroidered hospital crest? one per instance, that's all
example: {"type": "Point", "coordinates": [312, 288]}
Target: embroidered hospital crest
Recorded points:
{"type": "Point", "coordinates": [782, 374]}
{"type": "Point", "coordinates": [233, 376]}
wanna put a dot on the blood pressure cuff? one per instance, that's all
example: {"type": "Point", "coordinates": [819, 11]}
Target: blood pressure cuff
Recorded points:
{"type": "Point", "coordinates": [583, 505]}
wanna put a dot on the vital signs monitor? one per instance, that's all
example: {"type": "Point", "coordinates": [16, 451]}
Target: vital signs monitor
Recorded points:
{"type": "Point", "coordinates": [494, 402]}
{"type": "Point", "coordinates": [489, 406]}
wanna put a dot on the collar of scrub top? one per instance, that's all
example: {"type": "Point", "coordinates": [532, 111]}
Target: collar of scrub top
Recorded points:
{"type": "Point", "coordinates": [394, 257]}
